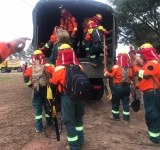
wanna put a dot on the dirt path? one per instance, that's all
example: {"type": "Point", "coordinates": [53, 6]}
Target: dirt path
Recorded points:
{"type": "Point", "coordinates": [17, 123]}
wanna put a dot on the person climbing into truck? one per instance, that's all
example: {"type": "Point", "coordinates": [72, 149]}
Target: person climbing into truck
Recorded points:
{"type": "Point", "coordinates": [14, 46]}
{"type": "Point", "coordinates": [72, 110]}
{"type": "Point", "coordinates": [37, 77]}
{"type": "Point", "coordinates": [122, 75]}
{"type": "Point", "coordinates": [95, 35]}
{"type": "Point", "coordinates": [69, 23]}
{"type": "Point", "coordinates": [58, 37]}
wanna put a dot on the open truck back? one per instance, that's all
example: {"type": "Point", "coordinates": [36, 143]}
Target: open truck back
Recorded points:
{"type": "Point", "coordinates": [47, 15]}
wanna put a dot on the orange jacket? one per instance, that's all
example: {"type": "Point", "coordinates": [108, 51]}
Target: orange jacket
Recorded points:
{"type": "Point", "coordinates": [59, 77]}
{"type": "Point", "coordinates": [116, 72]}
{"type": "Point", "coordinates": [6, 49]}
{"type": "Point", "coordinates": [149, 70]}
{"type": "Point", "coordinates": [28, 73]}
{"type": "Point", "coordinates": [88, 35]}
{"type": "Point", "coordinates": [69, 24]}
{"type": "Point", "coordinates": [50, 42]}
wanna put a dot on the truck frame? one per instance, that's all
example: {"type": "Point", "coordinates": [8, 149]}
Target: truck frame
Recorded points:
{"type": "Point", "coordinates": [47, 14]}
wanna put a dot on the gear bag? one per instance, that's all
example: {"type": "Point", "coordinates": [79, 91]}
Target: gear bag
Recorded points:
{"type": "Point", "coordinates": [62, 36]}
{"type": "Point", "coordinates": [39, 76]}
{"type": "Point", "coordinates": [97, 35]}
{"type": "Point", "coordinates": [77, 83]}
{"type": "Point", "coordinates": [125, 74]}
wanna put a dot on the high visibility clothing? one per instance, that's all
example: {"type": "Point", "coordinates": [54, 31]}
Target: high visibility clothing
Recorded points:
{"type": "Point", "coordinates": [116, 72]}
{"type": "Point", "coordinates": [6, 49]}
{"type": "Point", "coordinates": [151, 69]}
{"type": "Point", "coordinates": [72, 111]}
{"type": "Point", "coordinates": [69, 24]}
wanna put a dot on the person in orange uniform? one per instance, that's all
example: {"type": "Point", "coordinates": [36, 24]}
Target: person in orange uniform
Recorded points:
{"type": "Point", "coordinates": [8, 48]}
{"type": "Point", "coordinates": [50, 44]}
{"type": "Point", "coordinates": [149, 83]}
{"type": "Point", "coordinates": [121, 90]}
{"type": "Point", "coordinates": [39, 96]}
{"type": "Point", "coordinates": [95, 34]}
{"type": "Point", "coordinates": [72, 111]}
{"type": "Point", "coordinates": [69, 23]}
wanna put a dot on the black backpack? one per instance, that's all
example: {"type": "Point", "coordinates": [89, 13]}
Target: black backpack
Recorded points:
{"type": "Point", "coordinates": [77, 83]}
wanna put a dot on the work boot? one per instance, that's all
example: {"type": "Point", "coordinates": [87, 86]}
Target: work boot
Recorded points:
{"type": "Point", "coordinates": [92, 64]}
{"type": "Point", "coordinates": [112, 118]}
{"type": "Point", "coordinates": [67, 147]}
{"type": "Point", "coordinates": [125, 122]}
{"type": "Point", "coordinates": [150, 143]}
{"type": "Point", "coordinates": [38, 131]}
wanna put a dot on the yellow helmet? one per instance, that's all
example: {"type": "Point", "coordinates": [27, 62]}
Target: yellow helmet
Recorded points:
{"type": "Point", "coordinates": [99, 16]}
{"type": "Point", "coordinates": [37, 52]}
{"type": "Point", "coordinates": [123, 52]}
{"type": "Point", "coordinates": [146, 45]}
{"type": "Point", "coordinates": [64, 46]}
{"type": "Point", "coordinates": [63, 10]}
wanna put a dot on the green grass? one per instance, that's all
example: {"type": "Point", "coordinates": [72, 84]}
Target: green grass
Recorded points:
{"type": "Point", "coordinates": [4, 78]}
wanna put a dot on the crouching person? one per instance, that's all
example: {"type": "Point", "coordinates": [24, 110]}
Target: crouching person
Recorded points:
{"type": "Point", "coordinates": [37, 77]}
{"type": "Point", "coordinates": [72, 111]}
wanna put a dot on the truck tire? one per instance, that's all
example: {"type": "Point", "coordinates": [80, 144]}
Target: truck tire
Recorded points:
{"type": "Point", "coordinates": [3, 70]}
{"type": "Point", "coordinates": [19, 69]}
{"type": "Point", "coordinates": [96, 94]}
{"type": "Point", "coordinates": [99, 93]}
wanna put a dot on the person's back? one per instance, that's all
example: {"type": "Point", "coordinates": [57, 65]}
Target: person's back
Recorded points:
{"type": "Point", "coordinates": [72, 111]}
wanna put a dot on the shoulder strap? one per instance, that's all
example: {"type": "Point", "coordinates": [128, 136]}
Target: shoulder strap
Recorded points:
{"type": "Point", "coordinates": [155, 83]}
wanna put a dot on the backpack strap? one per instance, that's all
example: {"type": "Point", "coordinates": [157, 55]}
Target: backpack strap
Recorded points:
{"type": "Point", "coordinates": [155, 83]}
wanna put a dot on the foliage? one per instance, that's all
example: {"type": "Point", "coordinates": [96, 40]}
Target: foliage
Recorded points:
{"type": "Point", "coordinates": [138, 21]}
{"type": "Point", "coordinates": [25, 54]}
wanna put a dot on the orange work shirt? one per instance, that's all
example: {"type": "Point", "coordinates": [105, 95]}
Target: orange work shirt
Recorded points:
{"type": "Point", "coordinates": [149, 70]}
{"type": "Point", "coordinates": [28, 74]}
{"type": "Point", "coordinates": [69, 24]}
{"type": "Point", "coordinates": [6, 49]}
{"type": "Point", "coordinates": [116, 72]}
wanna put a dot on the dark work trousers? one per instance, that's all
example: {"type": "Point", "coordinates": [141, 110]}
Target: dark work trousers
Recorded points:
{"type": "Point", "coordinates": [152, 115]}
{"type": "Point", "coordinates": [53, 56]}
{"type": "Point", "coordinates": [96, 49]}
{"type": "Point", "coordinates": [72, 40]}
{"type": "Point", "coordinates": [39, 100]}
{"type": "Point", "coordinates": [72, 113]}
{"type": "Point", "coordinates": [121, 92]}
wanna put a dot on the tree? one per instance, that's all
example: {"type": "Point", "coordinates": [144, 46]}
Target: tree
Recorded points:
{"type": "Point", "coordinates": [138, 21]}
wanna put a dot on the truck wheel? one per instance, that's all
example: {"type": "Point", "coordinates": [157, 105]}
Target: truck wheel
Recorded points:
{"type": "Point", "coordinates": [99, 93]}
{"type": "Point", "coordinates": [3, 70]}
{"type": "Point", "coordinates": [96, 94]}
{"type": "Point", "coordinates": [19, 69]}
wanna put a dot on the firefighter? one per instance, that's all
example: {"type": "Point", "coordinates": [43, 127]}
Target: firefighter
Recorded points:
{"type": "Point", "coordinates": [121, 89]}
{"type": "Point", "coordinates": [72, 111]}
{"type": "Point", "coordinates": [149, 76]}
{"type": "Point", "coordinates": [52, 43]}
{"type": "Point", "coordinates": [39, 95]}
{"type": "Point", "coordinates": [95, 34]}
{"type": "Point", "coordinates": [8, 48]}
{"type": "Point", "coordinates": [69, 23]}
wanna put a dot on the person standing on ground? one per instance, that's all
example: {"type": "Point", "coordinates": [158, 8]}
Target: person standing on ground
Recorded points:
{"type": "Point", "coordinates": [149, 83]}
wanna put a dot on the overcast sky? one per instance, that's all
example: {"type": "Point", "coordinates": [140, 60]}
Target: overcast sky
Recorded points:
{"type": "Point", "coordinates": [16, 19]}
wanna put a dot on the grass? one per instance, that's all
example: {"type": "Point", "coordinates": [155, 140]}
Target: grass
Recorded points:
{"type": "Point", "coordinates": [5, 78]}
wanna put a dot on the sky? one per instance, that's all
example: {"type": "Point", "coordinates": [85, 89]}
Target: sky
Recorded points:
{"type": "Point", "coordinates": [16, 20]}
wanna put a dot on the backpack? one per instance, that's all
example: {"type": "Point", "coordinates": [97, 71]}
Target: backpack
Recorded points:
{"type": "Point", "coordinates": [125, 74]}
{"type": "Point", "coordinates": [97, 35]}
{"type": "Point", "coordinates": [39, 76]}
{"type": "Point", "coordinates": [62, 36]}
{"type": "Point", "coordinates": [77, 83]}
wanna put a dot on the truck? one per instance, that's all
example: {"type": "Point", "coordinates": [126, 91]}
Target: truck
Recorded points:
{"type": "Point", "coordinates": [47, 14]}
{"type": "Point", "coordinates": [12, 64]}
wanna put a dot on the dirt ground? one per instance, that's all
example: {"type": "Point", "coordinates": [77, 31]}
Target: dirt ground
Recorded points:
{"type": "Point", "coordinates": [17, 127]}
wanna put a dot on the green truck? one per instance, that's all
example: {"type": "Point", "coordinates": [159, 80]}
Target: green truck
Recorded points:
{"type": "Point", "coordinates": [47, 14]}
